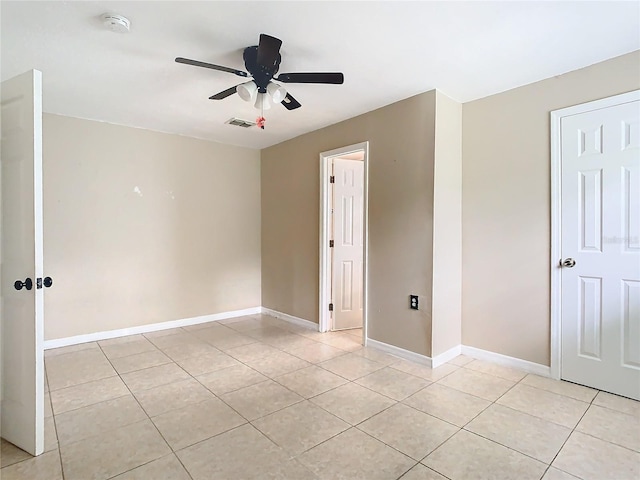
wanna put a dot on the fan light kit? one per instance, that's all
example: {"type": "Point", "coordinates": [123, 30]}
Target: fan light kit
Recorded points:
{"type": "Point", "coordinates": [262, 61]}
{"type": "Point", "coordinates": [262, 101]}
{"type": "Point", "coordinates": [116, 23]}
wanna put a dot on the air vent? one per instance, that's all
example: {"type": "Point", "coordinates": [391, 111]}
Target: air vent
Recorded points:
{"type": "Point", "coordinates": [238, 122]}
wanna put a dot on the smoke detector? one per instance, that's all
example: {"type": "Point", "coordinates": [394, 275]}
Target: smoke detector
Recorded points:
{"type": "Point", "coordinates": [116, 23]}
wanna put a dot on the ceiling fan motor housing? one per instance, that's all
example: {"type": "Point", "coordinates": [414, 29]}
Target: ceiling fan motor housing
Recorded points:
{"type": "Point", "coordinates": [262, 74]}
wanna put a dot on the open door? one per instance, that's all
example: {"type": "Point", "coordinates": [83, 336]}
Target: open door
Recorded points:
{"type": "Point", "coordinates": [343, 238]}
{"type": "Point", "coordinates": [348, 247]}
{"type": "Point", "coordinates": [22, 320]}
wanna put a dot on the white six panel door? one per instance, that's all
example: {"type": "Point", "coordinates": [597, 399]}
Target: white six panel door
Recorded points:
{"type": "Point", "coordinates": [601, 232]}
{"type": "Point", "coordinates": [22, 310]}
{"type": "Point", "coordinates": [348, 251]}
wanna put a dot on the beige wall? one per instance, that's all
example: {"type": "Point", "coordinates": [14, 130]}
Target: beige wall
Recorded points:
{"type": "Point", "coordinates": [187, 244]}
{"type": "Point", "coordinates": [447, 227]}
{"type": "Point", "coordinates": [401, 148]}
{"type": "Point", "coordinates": [190, 242]}
{"type": "Point", "coordinates": [506, 206]}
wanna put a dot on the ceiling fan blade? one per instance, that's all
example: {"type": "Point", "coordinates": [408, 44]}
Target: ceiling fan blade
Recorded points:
{"type": "Point", "coordinates": [268, 50]}
{"type": "Point", "coordinates": [333, 78]}
{"type": "Point", "coordinates": [290, 103]}
{"type": "Point", "coordinates": [224, 94]}
{"type": "Point", "coordinates": [196, 63]}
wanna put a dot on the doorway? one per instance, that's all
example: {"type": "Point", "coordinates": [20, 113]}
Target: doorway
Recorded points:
{"type": "Point", "coordinates": [343, 238]}
{"type": "Point", "coordinates": [595, 244]}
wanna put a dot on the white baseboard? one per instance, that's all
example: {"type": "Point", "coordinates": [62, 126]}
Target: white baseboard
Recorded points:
{"type": "Point", "coordinates": [400, 352]}
{"type": "Point", "coordinates": [290, 318]}
{"type": "Point", "coordinates": [444, 357]}
{"type": "Point", "coordinates": [473, 352]}
{"type": "Point", "coordinates": [506, 361]}
{"type": "Point", "coordinates": [152, 327]}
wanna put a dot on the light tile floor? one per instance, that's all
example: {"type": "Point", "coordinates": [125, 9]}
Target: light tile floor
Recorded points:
{"type": "Point", "coordinates": [259, 398]}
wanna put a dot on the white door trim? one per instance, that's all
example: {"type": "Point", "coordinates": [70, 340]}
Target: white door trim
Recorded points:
{"type": "Point", "coordinates": [325, 258]}
{"type": "Point", "coordinates": [556, 216]}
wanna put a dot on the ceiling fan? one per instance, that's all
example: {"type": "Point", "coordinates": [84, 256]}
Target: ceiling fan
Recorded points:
{"type": "Point", "coordinates": [262, 61]}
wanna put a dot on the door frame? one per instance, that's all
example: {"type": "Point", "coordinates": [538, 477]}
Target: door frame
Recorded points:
{"type": "Point", "coordinates": [325, 257]}
{"type": "Point", "coordinates": [556, 215]}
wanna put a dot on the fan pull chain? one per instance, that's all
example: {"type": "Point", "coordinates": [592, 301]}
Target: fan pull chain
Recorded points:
{"type": "Point", "coordinates": [260, 120]}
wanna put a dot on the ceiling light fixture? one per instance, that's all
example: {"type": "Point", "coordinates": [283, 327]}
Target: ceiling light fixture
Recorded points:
{"type": "Point", "coordinates": [261, 97]}
{"type": "Point", "coordinates": [249, 92]}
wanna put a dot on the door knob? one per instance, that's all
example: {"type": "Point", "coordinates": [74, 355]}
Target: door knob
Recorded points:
{"type": "Point", "coordinates": [568, 262]}
{"type": "Point", "coordinates": [47, 282]}
{"type": "Point", "coordinates": [28, 284]}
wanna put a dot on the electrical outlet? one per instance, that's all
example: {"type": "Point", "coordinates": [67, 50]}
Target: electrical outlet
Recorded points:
{"type": "Point", "coordinates": [413, 302]}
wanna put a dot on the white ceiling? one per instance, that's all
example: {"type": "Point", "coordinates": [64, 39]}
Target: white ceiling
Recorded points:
{"type": "Point", "coordinates": [387, 50]}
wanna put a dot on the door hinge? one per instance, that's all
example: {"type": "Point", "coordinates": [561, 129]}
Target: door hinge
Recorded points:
{"type": "Point", "coordinates": [331, 307]}
{"type": "Point", "coordinates": [330, 243]}
{"type": "Point", "coordinates": [332, 179]}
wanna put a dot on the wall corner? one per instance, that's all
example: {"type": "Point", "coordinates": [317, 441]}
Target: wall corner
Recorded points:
{"type": "Point", "coordinates": [447, 227]}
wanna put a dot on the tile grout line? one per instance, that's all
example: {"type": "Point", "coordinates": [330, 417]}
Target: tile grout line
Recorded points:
{"type": "Point", "coordinates": [355, 426]}
{"type": "Point", "coordinates": [387, 396]}
{"type": "Point", "coordinates": [53, 415]}
{"type": "Point", "coordinates": [591, 404]}
{"type": "Point", "coordinates": [613, 409]}
{"type": "Point", "coordinates": [84, 383]}
{"type": "Point", "coordinates": [568, 437]}
{"type": "Point", "coordinates": [541, 389]}
{"type": "Point", "coordinates": [247, 421]}
{"type": "Point", "coordinates": [274, 380]}
{"type": "Point", "coordinates": [263, 381]}
{"type": "Point", "coordinates": [428, 468]}
{"type": "Point", "coordinates": [405, 473]}
{"type": "Point", "coordinates": [606, 441]}
{"type": "Point", "coordinates": [387, 408]}
{"type": "Point", "coordinates": [391, 446]}
{"type": "Point", "coordinates": [495, 403]}
{"type": "Point", "coordinates": [305, 399]}
{"type": "Point", "coordinates": [117, 374]}
{"type": "Point", "coordinates": [250, 422]}
{"type": "Point", "coordinates": [62, 354]}
{"type": "Point", "coordinates": [148, 418]}
{"type": "Point", "coordinates": [481, 436]}
{"type": "Point", "coordinates": [178, 408]}
{"type": "Point", "coordinates": [432, 416]}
